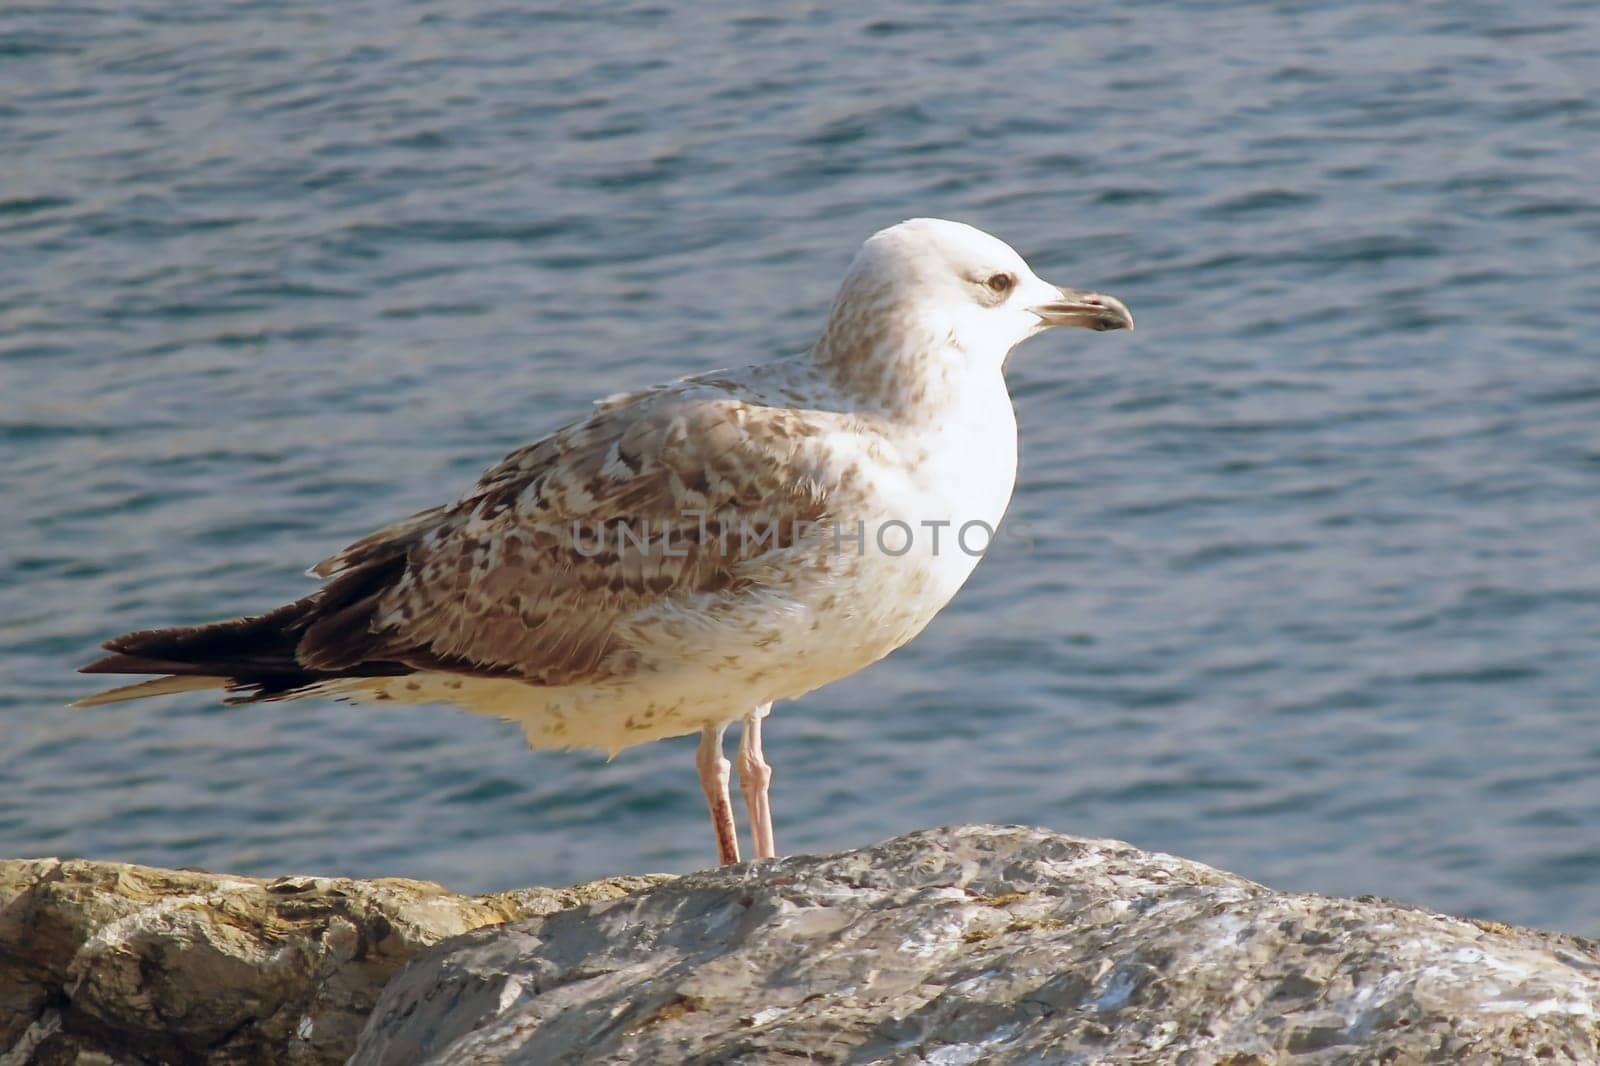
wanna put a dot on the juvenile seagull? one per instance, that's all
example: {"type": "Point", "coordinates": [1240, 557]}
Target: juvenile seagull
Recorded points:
{"type": "Point", "coordinates": [688, 553]}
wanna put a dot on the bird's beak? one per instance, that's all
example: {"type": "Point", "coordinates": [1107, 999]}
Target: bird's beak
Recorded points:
{"type": "Point", "coordinates": [1091, 310]}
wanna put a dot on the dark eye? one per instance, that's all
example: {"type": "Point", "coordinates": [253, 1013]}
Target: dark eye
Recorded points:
{"type": "Point", "coordinates": [1001, 282]}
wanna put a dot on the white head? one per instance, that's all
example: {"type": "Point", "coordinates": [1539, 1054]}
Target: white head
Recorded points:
{"type": "Point", "coordinates": [941, 288]}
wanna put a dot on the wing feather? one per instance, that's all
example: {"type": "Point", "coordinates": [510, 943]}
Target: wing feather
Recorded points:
{"type": "Point", "coordinates": [535, 572]}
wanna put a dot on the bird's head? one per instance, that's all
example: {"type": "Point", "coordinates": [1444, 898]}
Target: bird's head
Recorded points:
{"type": "Point", "coordinates": [972, 289]}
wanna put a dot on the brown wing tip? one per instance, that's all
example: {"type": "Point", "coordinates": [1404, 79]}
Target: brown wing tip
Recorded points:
{"type": "Point", "coordinates": [121, 663]}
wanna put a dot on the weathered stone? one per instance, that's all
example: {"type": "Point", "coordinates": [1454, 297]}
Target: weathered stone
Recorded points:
{"type": "Point", "coordinates": [996, 946]}
{"type": "Point", "coordinates": [106, 962]}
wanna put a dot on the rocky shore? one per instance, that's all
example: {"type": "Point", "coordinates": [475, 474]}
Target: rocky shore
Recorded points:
{"type": "Point", "coordinates": [976, 944]}
{"type": "Point", "coordinates": [104, 962]}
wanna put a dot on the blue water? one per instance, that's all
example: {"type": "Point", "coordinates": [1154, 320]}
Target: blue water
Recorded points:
{"type": "Point", "coordinates": [1311, 586]}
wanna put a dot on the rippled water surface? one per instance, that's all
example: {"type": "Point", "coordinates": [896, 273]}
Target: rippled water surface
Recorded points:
{"type": "Point", "coordinates": [1311, 582]}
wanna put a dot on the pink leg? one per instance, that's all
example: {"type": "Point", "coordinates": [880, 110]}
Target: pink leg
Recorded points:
{"type": "Point", "coordinates": [715, 772]}
{"type": "Point", "coordinates": [754, 777]}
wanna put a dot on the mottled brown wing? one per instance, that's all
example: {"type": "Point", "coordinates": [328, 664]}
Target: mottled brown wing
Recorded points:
{"type": "Point", "coordinates": [530, 575]}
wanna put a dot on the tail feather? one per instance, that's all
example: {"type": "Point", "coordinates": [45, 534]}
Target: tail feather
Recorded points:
{"type": "Point", "coordinates": [156, 686]}
{"type": "Point", "coordinates": [264, 655]}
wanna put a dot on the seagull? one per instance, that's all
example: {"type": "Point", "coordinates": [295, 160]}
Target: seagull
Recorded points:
{"type": "Point", "coordinates": [687, 554]}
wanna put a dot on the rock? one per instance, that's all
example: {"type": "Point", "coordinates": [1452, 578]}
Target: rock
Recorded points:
{"type": "Point", "coordinates": [108, 963]}
{"type": "Point", "coordinates": [995, 946]}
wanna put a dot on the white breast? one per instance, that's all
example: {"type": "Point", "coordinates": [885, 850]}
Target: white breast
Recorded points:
{"type": "Point", "coordinates": [959, 474]}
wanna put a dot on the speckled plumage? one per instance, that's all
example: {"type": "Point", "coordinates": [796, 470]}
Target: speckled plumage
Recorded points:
{"type": "Point", "coordinates": [689, 553]}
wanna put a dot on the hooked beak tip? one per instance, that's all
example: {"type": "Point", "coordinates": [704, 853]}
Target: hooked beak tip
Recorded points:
{"type": "Point", "coordinates": [1086, 310]}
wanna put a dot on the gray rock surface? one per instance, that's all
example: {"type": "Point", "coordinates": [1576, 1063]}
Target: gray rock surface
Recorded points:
{"type": "Point", "coordinates": [996, 946]}
{"type": "Point", "coordinates": [105, 962]}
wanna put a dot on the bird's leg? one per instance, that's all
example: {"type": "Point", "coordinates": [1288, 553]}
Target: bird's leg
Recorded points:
{"type": "Point", "coordinates": [715, 772]}
{"type": "Point", "coordinates": [754, 777]}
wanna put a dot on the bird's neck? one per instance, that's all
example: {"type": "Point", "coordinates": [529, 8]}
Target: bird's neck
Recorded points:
{"type": "Point", "coordinates": [912, 374]}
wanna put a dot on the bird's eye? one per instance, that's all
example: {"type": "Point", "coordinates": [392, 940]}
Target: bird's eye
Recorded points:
{"type": "Point", "coordinates": [1001, 282]}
